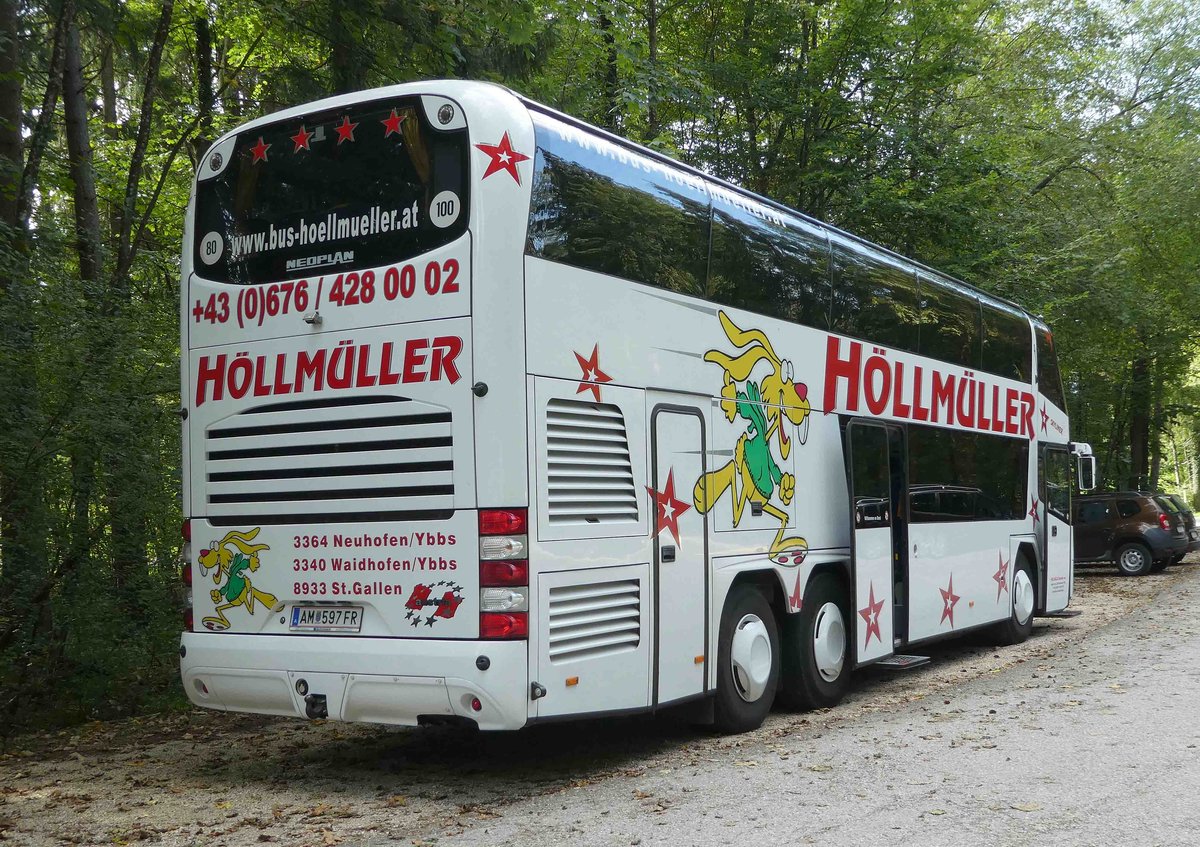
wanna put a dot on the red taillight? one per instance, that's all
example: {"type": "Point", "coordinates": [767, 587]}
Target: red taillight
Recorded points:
{"type": "Point", "coordinates": [502, 625]}
{"type": "Point", "coordinates": [502, 573]}
{"type": "Point", "coordinates": [189, 622]}
{"type": "Point", "coordinates": [185, 530]}
{"type": "Point", "coordinates": [502, 521]}
{"type": "Point", "coordinates": [1163, 521]}
{"type": "Point", "coordinates": [185, 572]}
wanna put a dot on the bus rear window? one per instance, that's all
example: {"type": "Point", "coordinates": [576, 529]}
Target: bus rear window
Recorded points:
{"type": "Point", "coordinates": [342, 189]}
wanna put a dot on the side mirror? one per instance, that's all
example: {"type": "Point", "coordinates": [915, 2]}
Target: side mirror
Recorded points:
{"type": "Point", "coordinates": [1085, 465]}
{"type": "Point", "coordinates": [1087, 472]}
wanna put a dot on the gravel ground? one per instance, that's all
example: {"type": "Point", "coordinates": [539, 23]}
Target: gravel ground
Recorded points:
{"type": "Point", "coordinates": [201, 777]}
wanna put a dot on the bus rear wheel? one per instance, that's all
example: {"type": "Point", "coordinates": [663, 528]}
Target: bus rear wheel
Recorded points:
{"type": "Point", "coordinates": [747, 661]}
{"type": "Point", "coordinates": [816, 670]}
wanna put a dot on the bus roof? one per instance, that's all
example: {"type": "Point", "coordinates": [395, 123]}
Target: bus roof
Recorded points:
{"type": "Point", "coordinates": [667, 160]}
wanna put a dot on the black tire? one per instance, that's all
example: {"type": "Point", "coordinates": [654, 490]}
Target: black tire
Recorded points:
{"type": "Point", "coordinates": [742, 703]}
{"type": "Point", "coordinates": [1133, 559]}
{"type": "Point", "coordinates": [804, 685]}
{"type": "Point", "coordinates": [1022, 597]}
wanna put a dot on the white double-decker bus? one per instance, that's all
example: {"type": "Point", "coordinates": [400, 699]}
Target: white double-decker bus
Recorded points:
{"type": "Point", "coordinates": [491, 415]}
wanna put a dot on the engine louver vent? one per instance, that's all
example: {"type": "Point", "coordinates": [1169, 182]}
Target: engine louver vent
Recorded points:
{"type": "Point", "coordinates": [590, 475]}
{"type": "Point", "coordinates": [594, 620]}
{"type": "Point", "coordinates": [360, 459]}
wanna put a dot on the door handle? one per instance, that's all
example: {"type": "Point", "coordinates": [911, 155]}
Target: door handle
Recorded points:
{"type": "Point", "coordinates": [1054, 532]}
{"type": "Point", "coordinates": [668, 553]}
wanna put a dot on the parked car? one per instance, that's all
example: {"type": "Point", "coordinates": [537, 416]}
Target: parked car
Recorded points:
{"type": "Point", "coordinates": [1189, 523]}
{"type": "Point", "coordinates": [1134, 529]}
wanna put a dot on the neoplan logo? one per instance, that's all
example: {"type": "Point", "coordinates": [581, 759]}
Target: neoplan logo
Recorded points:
{"type": "Point", "coordinates": [320, 260]}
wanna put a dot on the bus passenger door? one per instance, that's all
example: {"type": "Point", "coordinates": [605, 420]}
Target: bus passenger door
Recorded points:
{"type": "Point", "coordinates": [680, 554]}
{"type": "Point", "coordinates": [876, 480]}
{"type": "Point", "coordinates": [1056, 482]}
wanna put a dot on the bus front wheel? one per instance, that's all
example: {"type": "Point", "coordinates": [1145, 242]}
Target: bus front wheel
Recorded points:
{"type": "Point", "coordinates": [816, 667]}
{"type": "Point", "coordinates": [747, 661]}
{"type": "Point", "coordinates": [1020, 619]}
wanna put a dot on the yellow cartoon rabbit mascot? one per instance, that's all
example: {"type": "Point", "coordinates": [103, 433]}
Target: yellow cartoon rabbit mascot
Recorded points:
{"type": "Point", "coordinates": [753, 475]}
{"type": "Point", "coordinates": [224, 562]}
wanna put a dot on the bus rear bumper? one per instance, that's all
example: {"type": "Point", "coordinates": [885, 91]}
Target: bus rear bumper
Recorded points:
{"type": "Point", "coordinates": [376, 680]}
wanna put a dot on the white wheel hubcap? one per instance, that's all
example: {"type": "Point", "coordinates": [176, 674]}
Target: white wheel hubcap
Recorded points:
{"type": "Point", "coordinates": [1022, 596]}
{"type": "Point", "coordinates": [750, 656]}
{"type": "Point", "coordinates": [829, 642]}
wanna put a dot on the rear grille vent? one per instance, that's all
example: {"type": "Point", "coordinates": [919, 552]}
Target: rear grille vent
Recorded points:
{"type": "Point", "coordinates": [361, 459]}
{"type": "Point", "coordinates": [587, 621]}
{"type": "Point", "coordinates": [590, 476]}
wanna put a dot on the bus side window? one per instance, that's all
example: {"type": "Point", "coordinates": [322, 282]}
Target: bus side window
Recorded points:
{"type": "Point", "coordinates": [605, 208]}
{"type": "Point", "coordinates": [1048, 378]}
{"type": "Point", "coordinates": [766, 262]}
{"type": "Point", "coordinates": [1007, 343]}
{"type": "Point", "coordinates": [950, 319]}
{"type": "Point", "coordinates": [977, 476]}
{"type": "Point", "coordinates": [874, 296]}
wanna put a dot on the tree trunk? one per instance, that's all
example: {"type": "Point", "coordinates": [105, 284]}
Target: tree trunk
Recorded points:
{"type": "Point", "coordinates": [23, 553]}
{"type": "Point", "coordinates": [108, 92]}
{"type": "Point", "coordinates": [1139, 423]}
{"type": "Point", "coordinates": [1156, 431]}
{"type": "Point", "coordinates": [79, 157]}
{"type": "Point", "coordinates": [40, 136]}
{"type": "Point", "coordinates": [345, 54]}
{"type": "Point", "coordinates": [126, 250]}
{"type": "Point", "coordinates": [610, 81]}
{"type": "Point", "coordinates": [204, 85]}
{"type": "Point", "coordinates": [652, 54]}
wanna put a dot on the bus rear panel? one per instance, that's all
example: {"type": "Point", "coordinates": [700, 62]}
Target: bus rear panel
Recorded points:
{"type": "Point", "coordinates": [334, 540]}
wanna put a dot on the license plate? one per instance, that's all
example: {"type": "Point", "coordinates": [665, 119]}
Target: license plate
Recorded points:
{"type": "Point", "coordinates": [326, 618]}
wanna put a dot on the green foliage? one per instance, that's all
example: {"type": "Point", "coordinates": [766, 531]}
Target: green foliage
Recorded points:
{"type": "Point", "coordinates": [1043, 149]}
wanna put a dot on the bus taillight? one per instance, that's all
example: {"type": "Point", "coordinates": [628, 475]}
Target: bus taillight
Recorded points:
{"type": "Point", "coordinates": [503, 574]}
{"type": "Point", "coordinates": [503, 625]}
{"type": "Point", "coordinates": [502, 521]}
{"type": "Point", "coordinates": [506, 574]}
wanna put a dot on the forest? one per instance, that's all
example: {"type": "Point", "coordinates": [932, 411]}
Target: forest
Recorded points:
{"type": "Point", "coordinates": [1045, 150]}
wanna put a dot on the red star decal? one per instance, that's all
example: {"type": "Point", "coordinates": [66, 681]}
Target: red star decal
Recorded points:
{"type": "Point", "coordinates": [669, 508]}
{"type": "Point", "coordinates": [592, 377]}
{"type": "Point", "coordinates": [260, 151]}
{"type": "Point", "coordinates": [392, 123]}
{"type": "Point", "coordinates": [300, 139]}
{"type": "Point", "coordinates": [345, 130]}
{"type": "Point", "coordinates": [797, 598]}
{"type": "Point", "coordinates": [871, 615]}
{"type": "Point", "coordinates": [949, 598]}
{"type": "Point", "coordinates": [503, 158]}
{"type": "Point", "coordinates": [1033, 512]}
{"type": "Point", "coordinates": [1045, 417]}
{"type": "Point", "coordinates": [1001, 577]}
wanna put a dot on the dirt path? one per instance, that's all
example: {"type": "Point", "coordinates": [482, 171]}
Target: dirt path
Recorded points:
{"type": "Point", "coordinates": [205, 778]}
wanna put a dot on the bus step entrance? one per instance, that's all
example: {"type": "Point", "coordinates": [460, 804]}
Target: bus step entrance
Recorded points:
{"type": "Point", "coordinates": [899, 662]}
{"type": "Point", "coordinates": [1063, 613]}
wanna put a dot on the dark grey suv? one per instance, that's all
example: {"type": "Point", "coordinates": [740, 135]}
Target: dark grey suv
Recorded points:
{"type": "Point", "coordinates": [1131, 528]}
